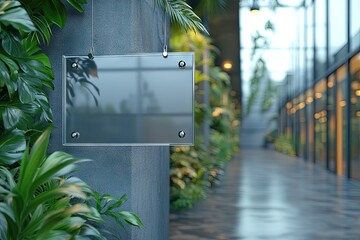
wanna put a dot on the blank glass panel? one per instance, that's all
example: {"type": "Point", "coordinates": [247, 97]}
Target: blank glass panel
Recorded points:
{"type": "Point", "coordinates": [128, 100]}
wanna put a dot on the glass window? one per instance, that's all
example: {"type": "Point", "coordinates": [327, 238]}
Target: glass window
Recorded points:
{"type": "Point", "coordinates": [355, 116]}
{"type": "Point", "coordinates": [320, 40]}
{"type": "Point", "coordinates": [337, 29]}
{"type": "Point", "coordinates": [309, 45]}
{"type": "Point", "coordinates": [331, 122]}
{"type": "Point", "coordinates": [283, 121]}
{"type": "Point", "coordinates": [355, 24]}
{"type": "Point", "coordinates": [310, 123]}
{"type": "Point", "coordinates": [302, 125]}
{"type": "Point", "coordinates": [341, 146]}
{"type": "Point", "coordinates": [320, 118]}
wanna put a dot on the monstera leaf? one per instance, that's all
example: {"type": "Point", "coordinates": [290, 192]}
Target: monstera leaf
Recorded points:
{"type": "Point", "coordinates": [12, 146]}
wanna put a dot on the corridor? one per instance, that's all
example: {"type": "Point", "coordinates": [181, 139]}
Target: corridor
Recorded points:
{"type": "Point", "coordinates": [268, 195]}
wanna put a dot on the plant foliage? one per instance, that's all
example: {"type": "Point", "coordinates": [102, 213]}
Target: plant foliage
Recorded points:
{"type": "Point", "coordinates": [38, 198]}
{"type": "Point", "coordinates": [41, 200]}
{"type": "Point", "coordinates": [182, 14]}
{"type": "Point", "coordinates": [193, 169]}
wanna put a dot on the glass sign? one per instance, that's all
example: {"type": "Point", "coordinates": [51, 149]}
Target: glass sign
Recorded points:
{"type": "Point", "coordinates": [128, 99]}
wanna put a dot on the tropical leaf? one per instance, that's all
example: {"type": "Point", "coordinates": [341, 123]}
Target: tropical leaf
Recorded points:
{"type": "Point", "coordinates": [12, 146]}
{"type": "Point", "coordinates": [181, 13]}
{"type": "Point", "coordinates": [15, 117]}
{"type": "Point", "coordinates": [55, 12]}
{"type": "Point", "coordinates": [130, 218]}
{"type": "Point", "coordinates": [13, 14]}
{"type": "Point", "coordinates": [44, 29]}
{"type": "Point", "coordinates": [77, 4]}
{"type": "Point", "coordinates": [108, 205]}
{"type": "Point", "coordinates": [38, 204]}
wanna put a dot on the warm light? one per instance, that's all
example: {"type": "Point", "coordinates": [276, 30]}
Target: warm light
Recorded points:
{"type": "Point", "coordinates": [318, 95]}
{"type": "Point", "coordinates": [236, 123]}
{"type": "Point", "coordinates": [293, 110]}
{"type": "Point", "coordinates": [353, 100]}
{"type": "Point", "coordinates": [357, 92]}
{"type": "Point", "coordinates": [288, 105]}
{"type": "Point", "coordinates": [358, 113]}
{"type": "Point", "coordinates": [301, 105]}
{"type": "Point", "coordinates": [217, 112]}
{"type": "Point", "coordinates": [330, 84]}
{"type": "Point", "coordinates": [227, 65]}
{"type": "Point", "coordinates": [309, 100]}
{"type": "Point", "coordinates": [323, 113]}
{"type": "Point", "coordinates": [255, 8]}
{"type": "Point", "coordinates": [323, 120]}
{"type": "Point", "coordinates": [317, 115]}
{"type": "Point", "coordinates": [355, 85]}
{"type": "Point", "coordinates": [342, 103]}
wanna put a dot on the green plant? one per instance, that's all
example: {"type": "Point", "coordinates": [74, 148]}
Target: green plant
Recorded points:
{"type": "Point", "coordinates": [260, 70]}
{"type": "Point", "coordinates": [26, 72]}
{"type": "Point", "coordinates": [37, 198]}
{"type": "Point", "coordinates": [41, 200]}
{"type": "Point", "coordinates": [181, 13]}
{"type": "Point", "coordinates": [185, 198]}
{"type": "Point", "coordinates": [108, 206]}
{"type": "Point", "coordinates": [284, 144]}
{"type": "Point", "coordinates": [194, 169]}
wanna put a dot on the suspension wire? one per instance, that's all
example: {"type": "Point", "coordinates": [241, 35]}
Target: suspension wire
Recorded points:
{"type": "Point", "coordinates": [91, 53]}
{"type": "Point", "coordinates": [165, 52]}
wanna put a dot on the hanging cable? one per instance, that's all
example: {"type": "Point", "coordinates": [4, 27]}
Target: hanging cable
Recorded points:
{"type": "Point", "coordinates": [165, 52]}
{"type": "Point", "coordinates": [91, 52]}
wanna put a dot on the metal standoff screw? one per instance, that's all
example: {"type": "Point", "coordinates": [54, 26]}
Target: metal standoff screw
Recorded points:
{"type": "Point", "coordinates": [75, 135]}
{"type": "Point", "coordinates": [182, 64]}
{"type": "Point", "coordinates": [165, 54]}
{"type": "Point", "coordinates": [181, 134]}
{"type": "Point", "coordinates": [74, 65]}
{"type": "Point", "coordinates": [90, 56]}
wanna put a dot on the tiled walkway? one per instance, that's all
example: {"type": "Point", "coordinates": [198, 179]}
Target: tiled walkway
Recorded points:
{"type": "Point", "coordinates": [267, 195]}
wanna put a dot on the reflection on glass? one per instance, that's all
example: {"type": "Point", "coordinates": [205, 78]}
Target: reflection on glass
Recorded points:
{"type": "Point", "coordinates": [320, 44]}
{"type": "Point", "coordinates": [355, 116]}
{"type": "Point", "coordinates": [341, 121]}
{"type": "Point", "coordinates": [320, 119]}
{"type": "Point", "coordinates": [130, 99]}
{"type": "Point", "coordinates": [332, 126]}
{"type": "Point", "coordinates": [310, 121]}
{"type": "Point", "coordinates": [302, 118]}
{"type": "Point", "coordinates": [337, 29]}
{"type": "Point", "coordinates": [355, 24]}
{"type": "Point", "coordinates": [309, 44]}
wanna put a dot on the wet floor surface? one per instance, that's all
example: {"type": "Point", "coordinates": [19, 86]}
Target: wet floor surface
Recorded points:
{"type": "Point", "coordinates": [267, 195]}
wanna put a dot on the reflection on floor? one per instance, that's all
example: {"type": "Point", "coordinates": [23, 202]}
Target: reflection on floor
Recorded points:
{"type": "Point", "coordinates": [267, 195]}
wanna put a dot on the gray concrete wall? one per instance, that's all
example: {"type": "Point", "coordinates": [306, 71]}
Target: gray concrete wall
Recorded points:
{"type": "Point", "coordinates": [120, 26]}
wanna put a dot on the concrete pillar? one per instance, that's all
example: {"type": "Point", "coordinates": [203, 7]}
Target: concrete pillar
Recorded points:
{"type": "Point", "coordinates": [120, 27]}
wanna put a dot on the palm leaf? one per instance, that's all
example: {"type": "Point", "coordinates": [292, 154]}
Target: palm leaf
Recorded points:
{"type": "Point", "coordinates": [181, 13]}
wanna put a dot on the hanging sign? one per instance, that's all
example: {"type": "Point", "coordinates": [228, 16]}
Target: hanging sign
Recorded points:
{"type": "Point", "coordinates": [145, 99]}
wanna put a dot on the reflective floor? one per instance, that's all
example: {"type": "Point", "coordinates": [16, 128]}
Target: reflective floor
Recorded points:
{"type": "Point", "coordinates": [267, 195]}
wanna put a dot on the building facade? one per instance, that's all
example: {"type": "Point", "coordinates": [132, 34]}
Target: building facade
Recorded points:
{"type": "Point", "coordinates": [320, 98]}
